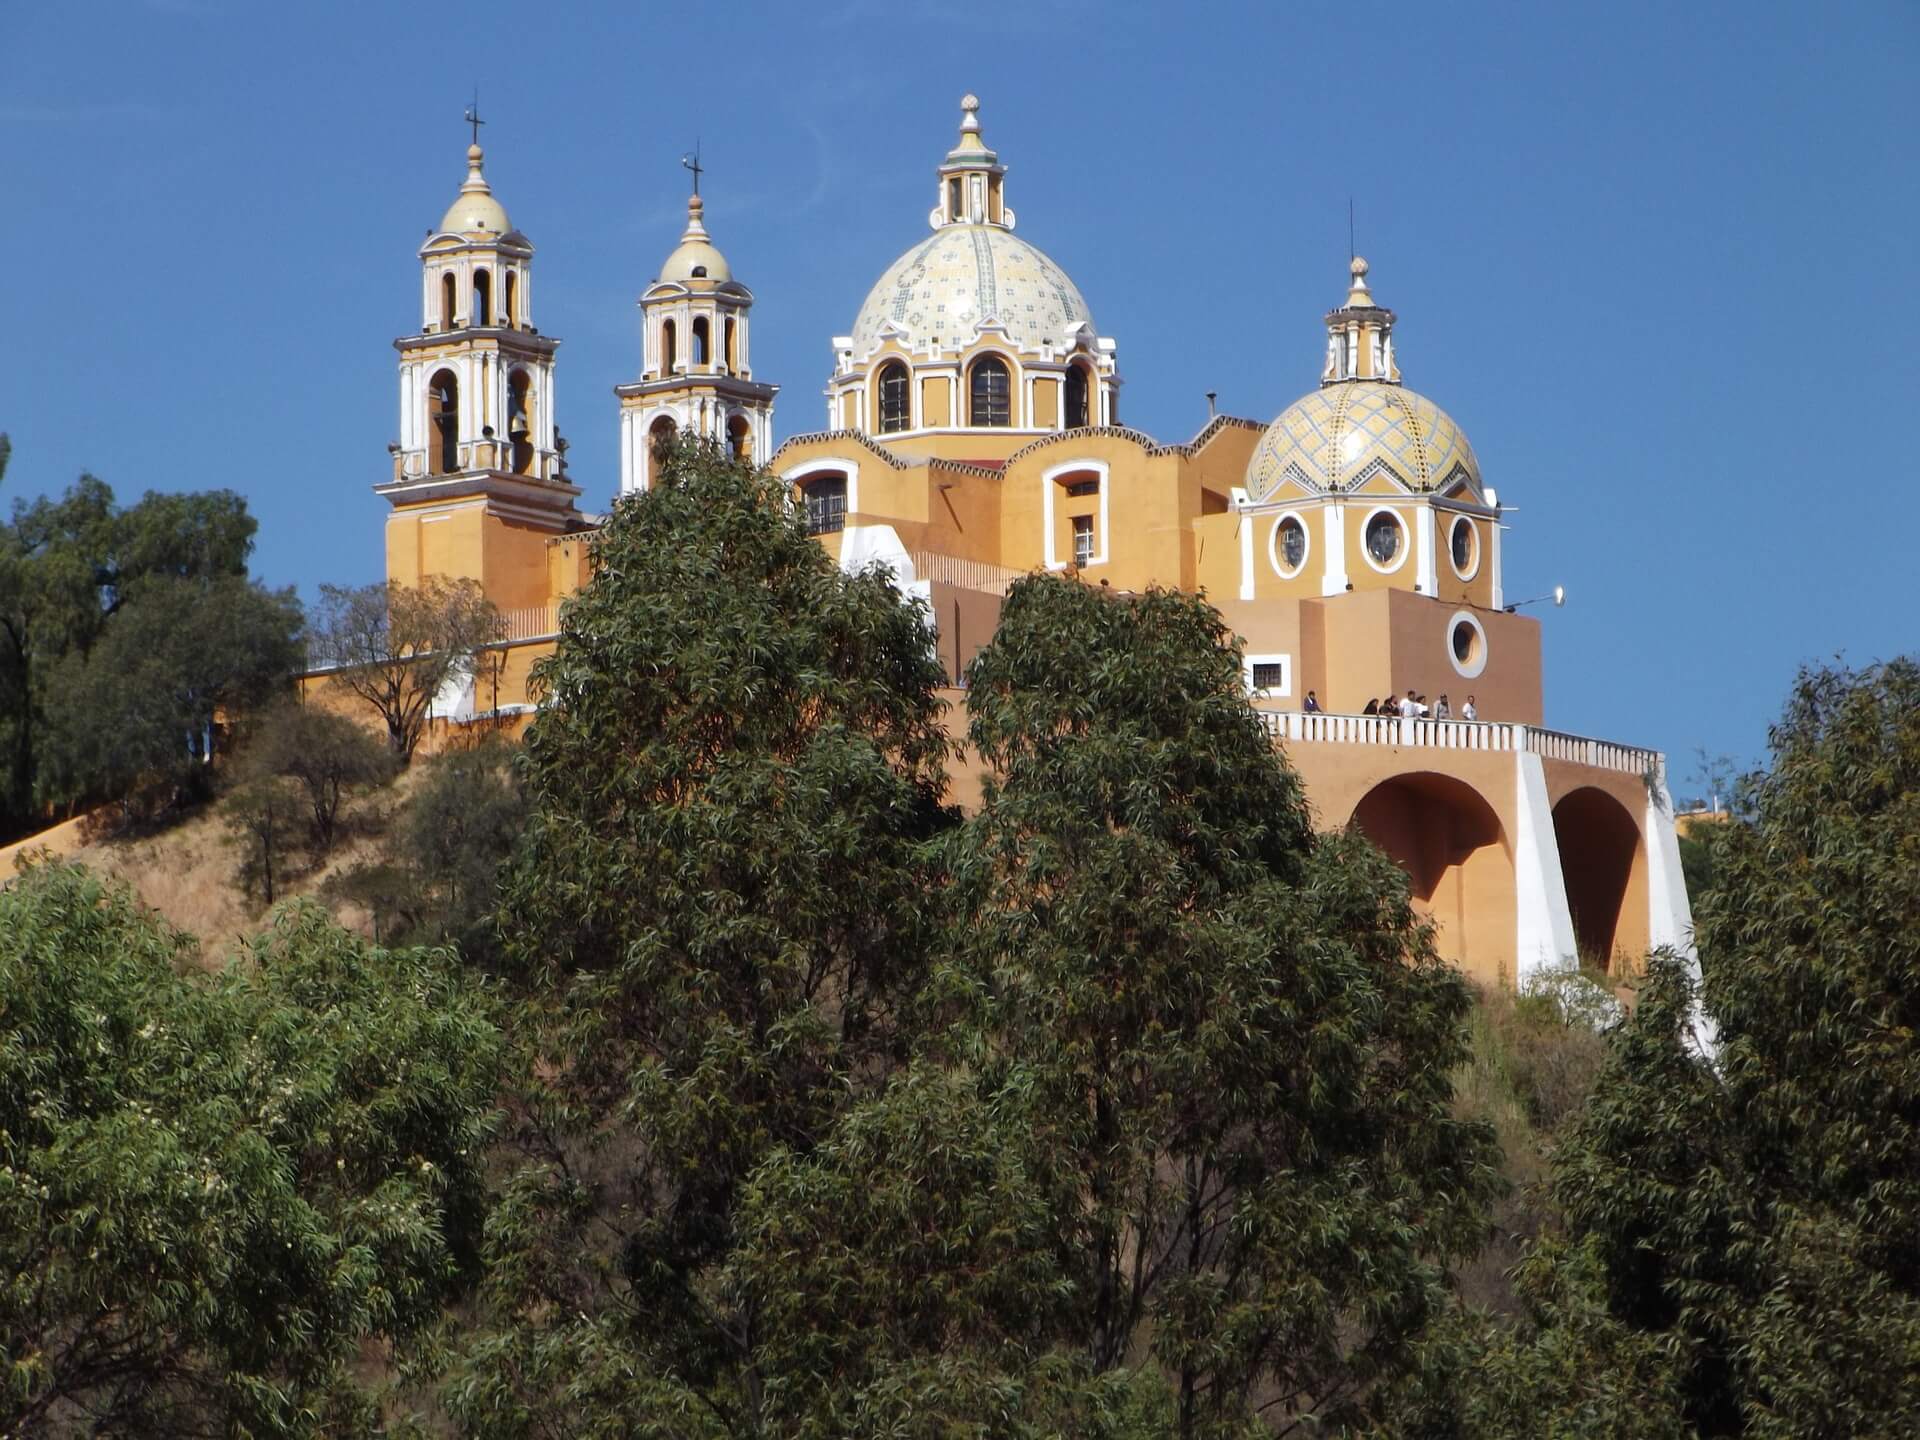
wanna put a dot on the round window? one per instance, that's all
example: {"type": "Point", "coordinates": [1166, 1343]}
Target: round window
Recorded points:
{"type": "Point", "coordinates": [1464, 544]}
{"type": "Point", "coordinates": [1291, 542]}
{"type": "Point", "coordinates": [1466, 644]}
{"type": "Point", "coordinates": [1383, 538]}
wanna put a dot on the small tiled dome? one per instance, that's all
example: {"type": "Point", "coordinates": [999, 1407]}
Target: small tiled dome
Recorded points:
{"type": "Point", "coordinates": [475, 211]}
{"type": "Point", "coordinates": [1344, 433]}
{"type": "Point", "coordinates": [963, 276]}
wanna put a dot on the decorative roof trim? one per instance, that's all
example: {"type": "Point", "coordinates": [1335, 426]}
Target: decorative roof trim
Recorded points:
{"type": "Point", "coordinates": [859, 437]}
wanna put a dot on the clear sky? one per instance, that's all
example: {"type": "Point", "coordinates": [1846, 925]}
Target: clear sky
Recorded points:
{"type": "Point", "coordinates": [1657, 259]}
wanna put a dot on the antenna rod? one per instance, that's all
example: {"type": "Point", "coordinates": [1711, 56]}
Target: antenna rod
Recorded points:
{"type": "Point", "coordinates": [1350, 250]}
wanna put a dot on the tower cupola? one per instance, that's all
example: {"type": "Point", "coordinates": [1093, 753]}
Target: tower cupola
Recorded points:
{"type": "Point", "coordinates": [475, 211]}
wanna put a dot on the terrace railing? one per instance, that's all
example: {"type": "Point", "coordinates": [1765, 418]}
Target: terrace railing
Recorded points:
{"type": "Point", "coordinates": [1292, 727]}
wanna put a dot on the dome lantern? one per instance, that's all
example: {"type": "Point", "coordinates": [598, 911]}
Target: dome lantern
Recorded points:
{"type": "Point", "coordinates": [1360, 335]}
{"type": "Point", "coordinates": [972, 179]}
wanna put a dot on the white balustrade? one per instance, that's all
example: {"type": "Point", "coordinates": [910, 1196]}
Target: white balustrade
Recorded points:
{"type": "Point", "coordinates": [966, 574]}
{"type": "Point", "coordinates": [1296, 727]}
{"type": "Point", "coordinates": [532, 622]}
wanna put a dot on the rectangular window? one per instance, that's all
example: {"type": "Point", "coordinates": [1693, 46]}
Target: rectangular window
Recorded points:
{"type": "Point", "coordinates": [1268, 677]}
{"type": "Point", "coordinates": [1084, 487]}
{"type": "Point", "coordinates": [1083, 539]}
{"type": "Point", "coordinates": [827, 505]}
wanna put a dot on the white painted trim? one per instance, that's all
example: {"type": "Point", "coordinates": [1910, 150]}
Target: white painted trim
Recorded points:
{"type": "Point", "coordinates": [797, 474]}
{"type": "Point", "coordinates": [1334, 579]}
{"type": "Point", "coordinates": [1050, 479]}
{"type": "Point", "coordinates": [1246, 553]}
{"type": "Point", "coordinates": [1669, 913]}
{"type": "Point", "coordinates": [1273, 545]}
{"type": "Point", "coordinates": [1472, 668]}
{"type": "Point", "coordinates": [1473, 569]}
{"type": "Point", "coordinates": [1499, 584]}
{"type": "Point", "coordinates": [1400, 554]}
{"type": "Point", "coordinates": [1543, 921]}
{"type": "Point", "coordinates": [1427, 578]}
{"type": "Point", "coordinates": [1272, 692]}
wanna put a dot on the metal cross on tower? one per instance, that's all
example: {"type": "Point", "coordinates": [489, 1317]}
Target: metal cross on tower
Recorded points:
{"type": "Point", "coordinates": [692, 162]}
{"type": "Point", "coordinates": [473, 116]}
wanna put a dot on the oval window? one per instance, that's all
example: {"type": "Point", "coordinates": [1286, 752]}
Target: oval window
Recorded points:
{"type": "Point", "coordinates": [1463, 543]}
{"type": "Point", "coordinates": [1464, 640]}
{"type": "Point", "coordinates": [1292, 545]}
{"type": "Point", "coordinates": [1383, 538]}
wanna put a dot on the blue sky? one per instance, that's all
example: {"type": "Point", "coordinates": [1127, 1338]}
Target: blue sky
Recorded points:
{"type": "Point", "coordinates": [1658, 260]}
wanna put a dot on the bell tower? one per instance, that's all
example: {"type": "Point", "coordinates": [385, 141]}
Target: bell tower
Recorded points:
{"type": "Point", "coordinates": [479, 471]}
{"type": "Point", "coordinates": [696, 370]}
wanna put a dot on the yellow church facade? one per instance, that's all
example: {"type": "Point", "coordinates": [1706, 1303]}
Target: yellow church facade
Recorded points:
{"type": "Point", "coordinates": [973, 435]}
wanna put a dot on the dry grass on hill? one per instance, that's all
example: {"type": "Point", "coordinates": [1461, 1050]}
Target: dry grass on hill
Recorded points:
{"type": "Point", "coordinates": [187, 872]}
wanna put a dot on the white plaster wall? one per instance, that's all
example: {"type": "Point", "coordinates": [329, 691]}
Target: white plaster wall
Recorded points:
{"type": "Point", "coordinates": [1543, 937]}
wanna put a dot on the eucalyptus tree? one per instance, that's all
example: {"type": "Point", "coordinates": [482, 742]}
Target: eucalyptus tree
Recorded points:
{"type": "Point", "coordinates": [221, 1195]}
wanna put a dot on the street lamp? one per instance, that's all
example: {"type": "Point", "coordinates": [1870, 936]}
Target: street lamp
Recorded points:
{"type": "Point", "coordinates": [1558, 596]}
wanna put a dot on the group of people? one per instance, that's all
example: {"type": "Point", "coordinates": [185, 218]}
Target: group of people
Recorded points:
{"type": "Point", "coordinates": [1412, 706]}
{"type": "Point", "coordinates": [1406, 707]}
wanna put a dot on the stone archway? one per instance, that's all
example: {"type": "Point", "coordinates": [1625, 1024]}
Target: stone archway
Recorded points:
{"type": "Point", "coordinates": [1599, 844]}
{"type": "Point", "coordinates": [1458, 860]}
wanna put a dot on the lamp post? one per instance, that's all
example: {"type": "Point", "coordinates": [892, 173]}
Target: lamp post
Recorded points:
{"type": "Point", "coordinates": [1558, 595]}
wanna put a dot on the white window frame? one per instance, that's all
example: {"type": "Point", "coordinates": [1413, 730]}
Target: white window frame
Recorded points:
{"type": "Point", "coordinates": [1283, 690]}
{"type": "Point", "coordinates": [1051, 490]}
{"type": "Point", "coordinates": [1273, 545]}
{"type": "Point", "coordinates": [1406, 540]}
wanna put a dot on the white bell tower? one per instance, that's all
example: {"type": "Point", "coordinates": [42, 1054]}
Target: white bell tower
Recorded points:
{"type": "Point", "coordinates": [696, 370]}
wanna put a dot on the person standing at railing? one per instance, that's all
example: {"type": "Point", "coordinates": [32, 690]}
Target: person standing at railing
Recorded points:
{"type": "Point", "coordinates": [1469, 711]}
{"type": "Point", "coordinates": [1441, 709]}
{"type": "Point", "coordinates": [1312, 705]}
{"type": "Point", "coordinates": [1373, 707]}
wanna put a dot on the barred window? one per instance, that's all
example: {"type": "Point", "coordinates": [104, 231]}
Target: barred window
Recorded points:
{"type": "Point", "coordinates": [826, 500]}
{"type": "Point", "coordinates": [1077, 397]}
{"type": "Point", "coordinates": [895, 413]}
{"type": "Point", "coordinates": [992, 393]}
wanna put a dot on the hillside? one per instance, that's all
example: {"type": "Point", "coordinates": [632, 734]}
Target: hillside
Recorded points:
{"type": "Point", "coordinates": [187, 872]}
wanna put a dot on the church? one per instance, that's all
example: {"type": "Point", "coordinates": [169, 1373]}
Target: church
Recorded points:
{"type": "Point", "coordinates": [973, 435]}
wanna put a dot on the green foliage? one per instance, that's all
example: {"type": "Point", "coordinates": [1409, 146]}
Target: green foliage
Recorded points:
{"type": "Point", "coordinates": [69, 569]}
{"type": "Point", "coordinates": [1237, 1039]}
{"type": "Point", "coordinates": [326, 754]}
{"type": "Point", "coordinates": [397, 647]}
{"type": "Point", "coordinates": [215, 1191]}
{"type": "Point", "coordinates": [715, 911]}
{"type": "Point", "coordinates": [263, 814]}
{"type": "Point", "coordinates": [1754, 1217]}
{"type": "Point", "coordinates": [138, 710]}
{"type": "Point", "coordinates": [438, 880]}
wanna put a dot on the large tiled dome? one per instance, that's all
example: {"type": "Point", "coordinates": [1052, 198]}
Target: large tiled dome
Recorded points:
{"type": "Point", "coordinates": [1344, 433]}
{"type": "Point", "coordinates": [963, 276]}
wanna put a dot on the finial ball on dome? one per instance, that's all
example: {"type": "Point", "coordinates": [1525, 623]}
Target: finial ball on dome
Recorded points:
{"type": "Point", "coordinates": [1358, 267]}
{"type": "Point", "coordinates": [969, 101]}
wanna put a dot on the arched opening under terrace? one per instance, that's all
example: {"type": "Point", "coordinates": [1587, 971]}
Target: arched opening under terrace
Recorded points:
{"type": "Point", "coordinates": [1458, 859]}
